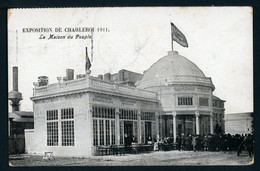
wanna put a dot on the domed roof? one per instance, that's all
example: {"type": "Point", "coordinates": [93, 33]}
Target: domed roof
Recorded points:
{"type": "Point", "coordinates": [172, 68]}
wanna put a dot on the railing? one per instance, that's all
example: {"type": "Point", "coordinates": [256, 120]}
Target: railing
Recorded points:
{"type": "Point", "coordinates": [175, 79]}
{"type": "Point", "coordinates": [93, 83]}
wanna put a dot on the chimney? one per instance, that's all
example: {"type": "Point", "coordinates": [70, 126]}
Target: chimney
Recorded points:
{"type": "Point", "coordinates": [43, 81]}
{"type": "Point", "coordinates": [100, 76]}
{"type": "Point", "coordinates": [70, 74]}
{"type": "Point", "coordinates": [121, 75]}
{"type": "Point", "coordinates": [15, 78]}
{"type": "Point", "coordinates": [107, 76]}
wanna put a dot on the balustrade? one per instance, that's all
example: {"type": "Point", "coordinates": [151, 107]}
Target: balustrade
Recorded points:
{"type": "Point", "coordinates": [93, 83]}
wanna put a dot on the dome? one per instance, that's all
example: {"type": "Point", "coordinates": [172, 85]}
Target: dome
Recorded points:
{"type": "Point", "coordinates": [171, 69]}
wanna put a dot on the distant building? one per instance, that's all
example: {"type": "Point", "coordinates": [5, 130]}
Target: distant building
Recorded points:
{"type": "Point", "coordinates": [239, 123]}
{"type": "Point", "coordinates": [123, 77]}
{"type": "Point", "coordinates": [19, 121]}
{"type": "Point", "coordinates": [75, 117]}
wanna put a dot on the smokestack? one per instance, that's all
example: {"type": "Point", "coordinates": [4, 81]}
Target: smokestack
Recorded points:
{"type": "Point", "coordinates": [70, 74]}
{"type": "Point", "coordinates": [15, 78]}
{"type": "Point", "coordinates": [14, 95]}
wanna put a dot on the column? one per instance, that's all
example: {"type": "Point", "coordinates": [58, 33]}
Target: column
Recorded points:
{"type": "Point", "coordinates": [211, 123]}
{"type": "Point", "coordinates": [197, 123]}
{"type": "Point", "coordinates": [174, 126]}
{"type": "Point", "coordinates": [157, 125]}
{"type": "Point", "coordinates": [117, 126]}
{"type": "Point", "coordinates": [139, 133]}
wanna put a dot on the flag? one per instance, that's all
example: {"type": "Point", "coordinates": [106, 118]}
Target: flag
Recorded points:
{"type": "Point", "coordinates": [178, 36]}
{"type": "Point", "coordinates": [88, 63]}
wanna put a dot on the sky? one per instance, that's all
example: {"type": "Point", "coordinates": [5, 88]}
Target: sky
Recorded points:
{"type": "Point", "coordinates": [220, 43]}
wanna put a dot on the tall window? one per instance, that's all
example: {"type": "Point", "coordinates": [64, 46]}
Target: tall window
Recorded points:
{"type": "Point", "coordinates": [52, 128]}
{"type": "Point", "coordinates": [107, 132]}
{"type": "Point", "coordinates": [101, 132]}
{"type": "Point", "coordinates": [185, 101]}
{"type": "Point", "coordinates": [103, 125]}
{"type": "Point", "coordinates": [67, 127]}
{"type": "Point", "coordinates": [95, 132]}
{"type": "Point", "coordinates": [203, 101]}
{"type": "Point", "coordinates": [113, 132]}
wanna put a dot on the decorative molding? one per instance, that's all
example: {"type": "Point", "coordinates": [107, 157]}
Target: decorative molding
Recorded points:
{"type": "Point", "coordinates": [184, 88]}
{"type": "Point", "coordinates": [102, 99]}
{"type": "Point", "coordinates": [60, 98]}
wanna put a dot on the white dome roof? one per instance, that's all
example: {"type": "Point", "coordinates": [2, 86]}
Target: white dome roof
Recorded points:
{"type": "Point", "coordinates": [172, 68]}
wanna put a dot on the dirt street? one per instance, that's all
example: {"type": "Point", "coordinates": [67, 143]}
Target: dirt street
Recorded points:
{"type": "Point", "coordinates": [158, 158]}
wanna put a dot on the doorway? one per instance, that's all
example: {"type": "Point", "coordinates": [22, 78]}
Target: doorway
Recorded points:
{"type": "Point", "coordinates": [128, 128]}
{"type": "Point", "coordinates": [148, 130]}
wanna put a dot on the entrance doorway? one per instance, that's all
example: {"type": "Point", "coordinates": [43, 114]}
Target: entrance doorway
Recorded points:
{"type": "Point", "coordinates": [128, 128]}
{"type": "Point", "coordinates": [186, 125]}
{"type": "Point", "coordinates": [148, 130]}
{"type": "Point", "coordinates": [128, 133]}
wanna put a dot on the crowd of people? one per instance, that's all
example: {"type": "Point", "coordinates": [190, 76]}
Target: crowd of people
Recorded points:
{"type": "Point", "coordinates": [222, 142]}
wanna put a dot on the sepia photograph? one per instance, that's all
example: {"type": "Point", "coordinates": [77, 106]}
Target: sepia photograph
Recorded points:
{"type": "Point", "coordinates": [130, 86]}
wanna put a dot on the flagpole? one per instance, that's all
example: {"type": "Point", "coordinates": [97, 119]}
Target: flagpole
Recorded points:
{"type": "Point", "coordinates": [171, 36]}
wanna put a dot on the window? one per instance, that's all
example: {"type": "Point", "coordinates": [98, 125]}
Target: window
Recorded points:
{"type": "Point", "coordinates": [203, 101]}
{"type": "Point", "coordinates": [67, 127]}
{"type": "Point", "coordinates": [52, 133]}
{"type": "Point", "coordinates": [113, 132]}
{"type": "Point", "coordinates": [103, 112]}
{"type": "Point", "coordinates": [95, 132]}
{"type": "Point", "coordinates": [185, 101]}
{"type": "Point", "coordinates": [103, 125]}
{"type": "Point", "coordinates": [128, 114]}
{"type": "Point", "coordinates": [148, 116]}
{"type": "Point", "coordinates": [52, 115]}
{"type": "Point", "coordinates": [52, 128]}
{"type": "Point", "coordinates": [101, 132]}
{"type": "Point", "coordinates": [107, 132]}
{"type": "Point", "coordinates": [67, 113]}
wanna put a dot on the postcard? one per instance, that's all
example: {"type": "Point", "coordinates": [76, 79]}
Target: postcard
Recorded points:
{"type": "Point", "coordinates": [130, 86]}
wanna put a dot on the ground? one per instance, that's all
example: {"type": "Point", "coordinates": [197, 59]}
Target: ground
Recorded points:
{"type": "Point", "coordinates": [158, 158]}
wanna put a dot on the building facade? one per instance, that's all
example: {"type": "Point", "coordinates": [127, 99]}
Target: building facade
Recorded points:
{"type": "Point", "coordinates": [239, 123]}
{"type": "Point", "coordinates": [74, 117]}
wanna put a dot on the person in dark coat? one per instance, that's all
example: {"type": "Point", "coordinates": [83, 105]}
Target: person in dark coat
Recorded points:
{"type": "Point", "coordinates": [246, 144]}
{"type": "Point", "coordinates": [182, 141]}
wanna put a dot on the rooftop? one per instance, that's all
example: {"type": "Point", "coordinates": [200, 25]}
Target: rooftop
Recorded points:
{"type": "Point", "coordinates": [91, 84]}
